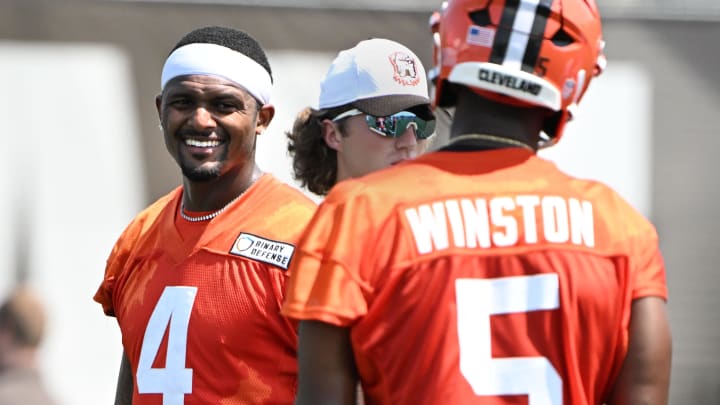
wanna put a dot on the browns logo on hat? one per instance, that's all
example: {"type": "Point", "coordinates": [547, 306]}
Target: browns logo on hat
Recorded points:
{"type": "Point", "coordinates": [378, 76]}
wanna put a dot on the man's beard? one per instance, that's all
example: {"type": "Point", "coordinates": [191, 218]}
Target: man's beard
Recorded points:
{"type": "Point", "coordinates": [199, 173]}
{"type": "Point", "coordinates": [203, 172]}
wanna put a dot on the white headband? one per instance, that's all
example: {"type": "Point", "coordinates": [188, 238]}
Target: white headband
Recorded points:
{"type": "Point", "coordinates": [217, 60]}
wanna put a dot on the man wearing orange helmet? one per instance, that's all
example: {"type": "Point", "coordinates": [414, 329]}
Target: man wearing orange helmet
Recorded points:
{"type": "Point", "coordinates": [480, 273]}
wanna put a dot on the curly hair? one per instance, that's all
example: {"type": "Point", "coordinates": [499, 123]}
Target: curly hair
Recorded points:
{"type": "Point", "coordinates": [314, 162]}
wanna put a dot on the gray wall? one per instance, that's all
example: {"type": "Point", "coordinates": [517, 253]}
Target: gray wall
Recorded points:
{"type": "Point", "coordinates": [682, 57]}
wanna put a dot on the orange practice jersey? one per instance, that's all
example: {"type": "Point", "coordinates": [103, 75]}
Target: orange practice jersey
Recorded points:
{"type": "Point", "coordinates": [198, 304]}
{"type": "Point", "coordinates": [492, 279]}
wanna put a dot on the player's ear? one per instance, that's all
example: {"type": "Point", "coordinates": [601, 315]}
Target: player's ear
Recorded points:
{"type": "Point", "coordinates": [158, 106]}
{"type": "Point", "coordinates": [331, 134]}
{"type": "Point", "coordinates": [264, 117]}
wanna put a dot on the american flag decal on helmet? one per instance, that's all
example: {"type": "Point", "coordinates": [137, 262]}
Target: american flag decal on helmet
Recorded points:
{"type": "Point", "coordinates": [480, 36]}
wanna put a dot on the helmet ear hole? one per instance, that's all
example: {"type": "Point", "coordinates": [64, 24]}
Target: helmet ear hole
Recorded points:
{"type": "Point", "coordinates": [481, 17]}
{"type": "Point", "coordinates": [551, 128]}
{"type": "Point", "coordinates": [562, 38]}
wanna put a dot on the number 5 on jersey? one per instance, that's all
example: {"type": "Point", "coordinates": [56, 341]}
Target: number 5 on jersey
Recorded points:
{"type": "Point", "coordinates": [174, 380]}
{"type": "Point", "coordinates": [477, 301]}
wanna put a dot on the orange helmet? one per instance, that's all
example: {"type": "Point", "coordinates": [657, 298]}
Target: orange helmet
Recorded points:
{"type": "Point", "coordinates": [520, 52]}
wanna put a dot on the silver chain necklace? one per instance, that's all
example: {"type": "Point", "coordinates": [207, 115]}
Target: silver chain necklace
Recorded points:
{"type": "Point", "coordinates": [211, 215]}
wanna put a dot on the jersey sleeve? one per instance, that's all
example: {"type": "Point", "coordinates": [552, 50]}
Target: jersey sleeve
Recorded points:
{"type": "Point", "coordinates": [326, 282]}
{"type": "Point", "coordinates": [648, 265]}
{"type": "Point", "coordinates": [114, 266]}
{"type": "Point", "coordinates": [641, 245]}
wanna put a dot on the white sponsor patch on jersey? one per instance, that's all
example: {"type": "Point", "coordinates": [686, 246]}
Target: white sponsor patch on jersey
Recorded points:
{"type": "Point", "coordinates": [263, 250]}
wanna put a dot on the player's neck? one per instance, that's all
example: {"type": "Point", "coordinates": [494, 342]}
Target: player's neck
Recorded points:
{"type": "Point", "coordinates": [342, 173]}
{"type": "Point", "coordinates": [212, 195]}
{"type": "Point", "coordinates": [477, 115]}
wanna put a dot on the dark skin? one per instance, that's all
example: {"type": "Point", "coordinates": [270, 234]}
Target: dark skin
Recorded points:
{"type": "Point", "coordinates": [477, 115]}
{"type": "Point", "coordinates": [124, 390]}
{"type": "Point", "coordinates": [210, 126]}
{"type": "Point", "coordinates": [645, 375]}
{"type": "Point", "coordinates": [329, 377]}
{"type": "Point", "coordinates": [327, 372]}
{"type": "Point", "coordinates": [211, 109]}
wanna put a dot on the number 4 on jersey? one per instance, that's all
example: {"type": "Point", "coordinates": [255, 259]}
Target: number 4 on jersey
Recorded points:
{"type": "Point", "coordinates": [174, 380]}
{"type": "Point", "coordinates": [477, 301]}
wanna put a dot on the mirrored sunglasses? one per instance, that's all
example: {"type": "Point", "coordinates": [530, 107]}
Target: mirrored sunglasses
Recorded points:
{"type": "Point", "coordinates": [394, 125]}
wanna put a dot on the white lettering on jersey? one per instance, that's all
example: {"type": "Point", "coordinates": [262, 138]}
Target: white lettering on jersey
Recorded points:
{"type": "Point", "coordinates": [581, 217]}
{"type": "Point", "coordinates": [429, 226]}
{"type": "Point", "coordinates": [501, 222]}
{"type": "Point", "coordinates": [528, 203]}
{"type": "Point", "coordinates": [555, 220]}
{"type": "Point", "coordinates": [264, 250]}
{"type": "Point", "coordinates": [498, 207]}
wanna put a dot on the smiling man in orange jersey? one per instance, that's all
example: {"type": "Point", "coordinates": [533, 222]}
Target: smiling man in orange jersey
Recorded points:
{"type": "Point", "coordinates": [197, 279]}
{"type": "Point", "coordinates": [480, 273]}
